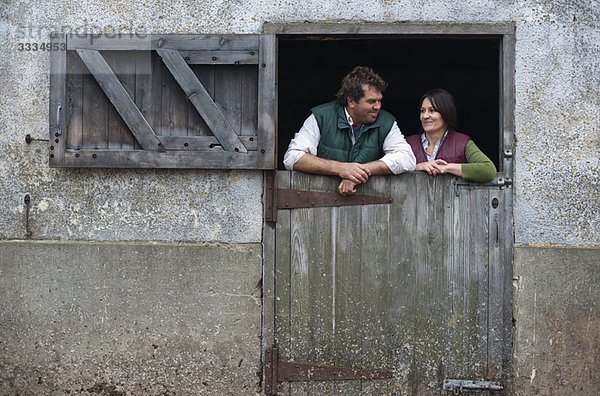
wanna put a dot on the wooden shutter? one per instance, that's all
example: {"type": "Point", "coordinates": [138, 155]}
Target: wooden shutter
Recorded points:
{"type": "Point", "coordinates": [170, 101]}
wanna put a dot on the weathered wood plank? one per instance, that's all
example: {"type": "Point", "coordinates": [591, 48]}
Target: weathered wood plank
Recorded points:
{"type": "Point", "coordinates": [283, 280]}
{"type": "Point", "coordinates": [500, 286]}
{"type": "Point", "coordinates": [94, 115]}
{"type": "Point", "coordinates": [202, 101]}
{"type": "Point", "coordinates": [390, 28]}
{"type": "Point", "coordinates": [377, 343]}
{"type": "Point", "coordinates": [348, 299]}
{"type": "Point", "coordinates": [174, 106]}
{"type": "Point", "coordinates": [123, 66]}
{"type": "Point", "coordinates": [321, 278]}
{"type": "Point", "coordinates": [120, 99]}
{"type": "Point", "coordinates": [462, 300]}
{"type": "Point", "coordinates": [267, 103]}
{"type": "Point", "coordinates": [202, 143]}
{"type": "Point", "coordinates": [148, 89]}
{"type": "Point", "coordinates": [218, 159]}
{"type": "Point", "coordinates": [196, 125]}
{"type": "Point", "coordinates": [268, 330]}
{"type": "Point", "coordinates": [249, 102]}
{"type": "Point", "coordinates": [239, 57]}
{"type": "Point", "coordinates": [58, 102]}
{"type": "Point", "coordinates": [404, 246]}
{"type": "Point", "coordinates": [74, 122]}
{"type": "Point", "coordinates": [375, 276]}
{"type": "Point", "coordinates": [322, 274]}
{"type": "Point", "coordinates": [507, 98]}
{"type": "Point", "coordinates": [478, 260]}
{"type": "Point", "coordinates": [301, 341]}
{"type": "Point", "coordinates": [431, 288]}
{"type": "Point", "coordinates": [144, 42]}
{"type": "Point", "coordinates": [468, 277]}
{"type": "Point", "coordinates": [228, 95]}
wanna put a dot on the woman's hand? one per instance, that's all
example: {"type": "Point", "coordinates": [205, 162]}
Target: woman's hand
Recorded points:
{"type": "Point", "coordinates": [434, 167]}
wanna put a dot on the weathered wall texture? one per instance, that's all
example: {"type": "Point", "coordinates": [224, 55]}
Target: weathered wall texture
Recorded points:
{"type": "Point", "coordinates": [557, 123]}
{"type": "Point", "coordinates": [557, 337]}
{"type": "Point", "coordinates": [129, 318]}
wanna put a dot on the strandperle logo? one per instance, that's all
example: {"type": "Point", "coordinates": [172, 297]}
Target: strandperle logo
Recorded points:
{"type": "Point", "coordinates": [86, 30]}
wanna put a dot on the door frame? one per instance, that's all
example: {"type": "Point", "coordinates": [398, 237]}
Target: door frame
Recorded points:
{"type": "Point", "coordinates": [506, 139]}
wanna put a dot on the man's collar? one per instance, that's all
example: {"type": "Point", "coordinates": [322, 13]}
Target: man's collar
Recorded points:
{"type": "Point", "coordinates": [348, 117]}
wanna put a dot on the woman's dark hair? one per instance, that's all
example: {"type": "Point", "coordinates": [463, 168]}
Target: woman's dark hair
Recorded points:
{"type": "Point", "coordinates": [352, 84]}
{"type": "Point", "coordinates": [443, 103]}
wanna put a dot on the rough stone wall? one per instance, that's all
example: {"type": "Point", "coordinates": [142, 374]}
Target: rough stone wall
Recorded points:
{"type": "Point", "coordinates": [557, 125]}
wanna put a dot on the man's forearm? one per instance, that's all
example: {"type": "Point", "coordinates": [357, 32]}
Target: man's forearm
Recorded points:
{"type": "Point", "coordinates": [309, 163]}
{"type": "Point", "coordinates": [353, 171]}
{"type": "Point", "coordinates": [378, 168]}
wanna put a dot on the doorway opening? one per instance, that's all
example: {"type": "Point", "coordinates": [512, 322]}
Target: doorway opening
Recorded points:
{"type": "Point", "coordinates": [311, 67]}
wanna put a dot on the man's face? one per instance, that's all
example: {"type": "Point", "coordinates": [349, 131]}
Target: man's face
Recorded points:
{"type": "Point", "coordinates": [365, 110]}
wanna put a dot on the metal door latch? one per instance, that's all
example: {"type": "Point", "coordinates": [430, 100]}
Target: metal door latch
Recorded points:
{"type": "Point", "coordinates": [457, 386]}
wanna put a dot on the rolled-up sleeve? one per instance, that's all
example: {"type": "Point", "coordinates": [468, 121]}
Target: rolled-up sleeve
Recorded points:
{"type": "Point", "coordinates": [305, 141]}
{"type": "Point", "coordinates": [398, 156]}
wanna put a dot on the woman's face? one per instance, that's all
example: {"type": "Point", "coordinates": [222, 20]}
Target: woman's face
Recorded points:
{"type": "Point", "coordinates": [431, 120]}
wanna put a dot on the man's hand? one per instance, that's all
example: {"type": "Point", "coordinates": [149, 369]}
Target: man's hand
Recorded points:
{"type": "Point", "coordinates": [434, 167]}
{"type": "Point", "coordinates": [347, 187]}
{"type": "Point", "coordinates": [354, 172]}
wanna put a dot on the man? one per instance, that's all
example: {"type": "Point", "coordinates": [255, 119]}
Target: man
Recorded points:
{"type": "Point", "coordinates": [352, 137]}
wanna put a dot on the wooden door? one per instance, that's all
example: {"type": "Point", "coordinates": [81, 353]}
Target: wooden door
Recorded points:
{"type": "Point", "coordinates": [419, 288]}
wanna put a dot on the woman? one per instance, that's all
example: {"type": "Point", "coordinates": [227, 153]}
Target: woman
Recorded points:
{"type": "Point", "coordinates": [440, 149]}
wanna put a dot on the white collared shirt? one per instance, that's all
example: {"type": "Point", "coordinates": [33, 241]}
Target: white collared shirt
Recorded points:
{"type": "Point", "coordinates": [398, 155]}
{"type": "Point", "coordinates": [438, 144]}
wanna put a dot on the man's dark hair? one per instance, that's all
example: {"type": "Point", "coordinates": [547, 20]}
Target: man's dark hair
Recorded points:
{"type": "Point", "coordinates": [443, 103]}
{"type": "Point", "coordinates": [352, 84]}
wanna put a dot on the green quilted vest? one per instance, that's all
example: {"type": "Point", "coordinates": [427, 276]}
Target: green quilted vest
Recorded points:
{"type": "Point", "coordinates": [336, 143]}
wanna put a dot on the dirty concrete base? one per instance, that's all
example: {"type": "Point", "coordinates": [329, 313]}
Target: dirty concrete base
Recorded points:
{"type": "Point", "coordinates": [557, 313]}
{"type": "Point", "coordinates": [129, 318]}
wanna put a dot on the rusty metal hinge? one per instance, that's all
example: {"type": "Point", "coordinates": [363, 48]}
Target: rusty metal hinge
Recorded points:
{"type": "Point", "coordinates": [276, 371]}
{"type": "Point", "coordinates": [283, 198]}
{"type": "Point", "coordinates": [293, 199]}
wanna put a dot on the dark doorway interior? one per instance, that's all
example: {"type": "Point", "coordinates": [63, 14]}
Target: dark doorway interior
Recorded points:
{"type": "Point", "coordinates": [311, 68]}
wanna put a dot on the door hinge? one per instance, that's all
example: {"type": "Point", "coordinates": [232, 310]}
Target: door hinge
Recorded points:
{"type": "Point", "coordinates": [458, 386]}
{"type": "Point", "coordinates": [285, 198]}
{"type": "Point", "coordinates": [293, 199]}
{"type": "Point", "coordinates": [277, 371]}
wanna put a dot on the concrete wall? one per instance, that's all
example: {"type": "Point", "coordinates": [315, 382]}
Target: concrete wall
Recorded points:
{"type": "Point", "coordinates": [50, 287]}
{"type": "Point", "coordinates": [120, 318]}
{"type": "Point", "coordinates": [557, 306]}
